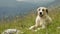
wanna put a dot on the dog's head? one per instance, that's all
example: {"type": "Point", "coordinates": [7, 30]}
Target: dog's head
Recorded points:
{"type": "Point", "coordinates": [42, 11]}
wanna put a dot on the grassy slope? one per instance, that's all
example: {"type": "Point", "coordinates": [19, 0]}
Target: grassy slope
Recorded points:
{"type": "Point", "coordinates": [24, 23]}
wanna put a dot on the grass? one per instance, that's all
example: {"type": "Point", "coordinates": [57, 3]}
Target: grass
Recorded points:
{"type": "Point", "coordinates": [24, 23]}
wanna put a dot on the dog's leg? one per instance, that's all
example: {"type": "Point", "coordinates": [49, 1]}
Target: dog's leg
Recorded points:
{"type": "Point", "coordinates": [43, 26]}
{"type": "Point", "coordinates": [33, 27]}
{"type": "Point", "coordinates": [49, 20]}
{"type": "Point", "coordinates": [37, 23]}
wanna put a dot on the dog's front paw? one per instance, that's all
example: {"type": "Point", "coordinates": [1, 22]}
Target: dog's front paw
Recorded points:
{"type": "Point", "coordinates": [31, 27]}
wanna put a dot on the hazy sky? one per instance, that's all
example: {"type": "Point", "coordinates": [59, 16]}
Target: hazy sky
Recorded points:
{"type": "Point", "coordinates": [12, 3]}
{"type": "Point", "coordinates": [37, 0]}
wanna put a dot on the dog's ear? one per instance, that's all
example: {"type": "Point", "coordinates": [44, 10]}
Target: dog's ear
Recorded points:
{"type": "Point", "coordinates": [47, 11]}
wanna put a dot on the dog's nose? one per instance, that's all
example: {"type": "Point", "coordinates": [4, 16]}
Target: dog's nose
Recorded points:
{"type": "Point", "coordinates": [40, 13]}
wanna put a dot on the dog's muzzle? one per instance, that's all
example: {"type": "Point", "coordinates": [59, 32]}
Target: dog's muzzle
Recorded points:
{"type": "Point", "coordinates": [41, 14]}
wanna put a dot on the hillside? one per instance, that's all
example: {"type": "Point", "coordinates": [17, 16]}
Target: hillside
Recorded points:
{"type": "Point", "coordinates": [24, 23]}
{"type": "Point", "coordinates": [11, 8]}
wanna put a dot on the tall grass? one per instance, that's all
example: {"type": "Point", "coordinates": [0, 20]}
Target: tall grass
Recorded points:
{"type": "Point", "coordinates": [24, 23]}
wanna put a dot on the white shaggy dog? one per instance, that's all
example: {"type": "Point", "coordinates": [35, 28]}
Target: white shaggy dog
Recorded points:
{"type": "Point", "coordinates": [42, 18]}
{"type": "Point", "coordinates": [11, 31]}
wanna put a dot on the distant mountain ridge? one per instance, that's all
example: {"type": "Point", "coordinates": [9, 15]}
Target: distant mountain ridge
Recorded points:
{"type": "Point", "coordinates": [23, 8]}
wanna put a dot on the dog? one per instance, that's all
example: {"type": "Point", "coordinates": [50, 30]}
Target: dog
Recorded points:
{"type": "Point", "coordinates": [11, 31]}
{"type": "Point", "coordinates": [42, 19]}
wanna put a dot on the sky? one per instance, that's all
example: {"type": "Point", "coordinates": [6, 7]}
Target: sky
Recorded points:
{"type": "Point", "coordinates": [12, 3]}
{"type": "Point", "coordinates": [7, 3]}
{"type": "Point", "coordinates": [37, 0]}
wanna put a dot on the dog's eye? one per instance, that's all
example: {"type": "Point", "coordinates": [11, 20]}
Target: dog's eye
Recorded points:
{"type": "Point", "coordinates": [42, 9]}
{"type": "Point", "coordinates": [39, 9]}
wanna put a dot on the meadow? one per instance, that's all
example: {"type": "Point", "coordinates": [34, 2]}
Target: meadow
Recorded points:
{"type": "Point", "coordinates": [23, 23]}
